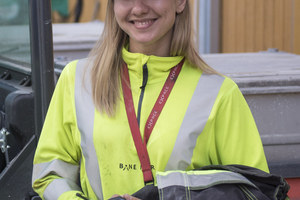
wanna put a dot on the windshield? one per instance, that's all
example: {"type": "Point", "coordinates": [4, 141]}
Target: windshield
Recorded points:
{"type": "Point", "coordinates": [14, 34]}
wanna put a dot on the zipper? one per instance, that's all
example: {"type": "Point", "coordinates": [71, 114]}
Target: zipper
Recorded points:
{"type": "Point", "coordinates": [145, 80]}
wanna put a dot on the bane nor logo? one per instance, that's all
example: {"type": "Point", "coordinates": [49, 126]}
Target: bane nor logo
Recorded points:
{"type": "Point", "coordinates": [128, 167]}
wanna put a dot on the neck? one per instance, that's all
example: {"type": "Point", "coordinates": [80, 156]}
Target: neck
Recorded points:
{"type": "Point", "coordinates": [159, 48]}
{"type": "Point", "coordinates": [156, 50]}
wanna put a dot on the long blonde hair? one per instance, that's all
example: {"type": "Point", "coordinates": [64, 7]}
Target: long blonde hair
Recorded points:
{"type": "Point", "coordinates": [106, 57]}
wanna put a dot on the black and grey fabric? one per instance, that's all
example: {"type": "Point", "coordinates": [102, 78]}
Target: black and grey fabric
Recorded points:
{"type": "Point", "coordinates": [217, 182]}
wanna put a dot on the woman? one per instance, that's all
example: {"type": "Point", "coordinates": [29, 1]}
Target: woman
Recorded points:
{"type": "Point", "coordinates": [143, 77]}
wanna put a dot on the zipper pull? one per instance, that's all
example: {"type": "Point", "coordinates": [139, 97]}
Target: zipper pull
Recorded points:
{"type": "Point", "coordinates": [145, 76]}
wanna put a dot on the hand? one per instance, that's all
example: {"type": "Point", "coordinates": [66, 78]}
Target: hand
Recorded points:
{"type": "Point", "coordinates": [126, 196]}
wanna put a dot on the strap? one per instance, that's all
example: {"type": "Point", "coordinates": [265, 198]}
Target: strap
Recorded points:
{"type": "Point", "coordinates": [133, 124]}
{"type": "Point", "coordinates": [135, 131]}
{"type": "Point", "coordinates": [161, 101]}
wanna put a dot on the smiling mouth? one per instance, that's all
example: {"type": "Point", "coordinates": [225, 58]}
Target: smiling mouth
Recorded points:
{"type": "Point", "coordinates": [142, 24]}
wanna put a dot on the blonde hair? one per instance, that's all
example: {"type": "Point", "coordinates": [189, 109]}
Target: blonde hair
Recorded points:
{"type": "Point", "coordinates": [106, 57]}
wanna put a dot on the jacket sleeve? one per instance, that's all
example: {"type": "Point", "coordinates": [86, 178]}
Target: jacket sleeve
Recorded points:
{"type": "Point", "coordinates": [237, 140]}
{"type": "Point", "coordinates": [57, 157]}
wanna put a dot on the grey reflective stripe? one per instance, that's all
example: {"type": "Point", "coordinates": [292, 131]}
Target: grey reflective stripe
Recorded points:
{"type": "Point", "coordinates": [69, 177]}
{"type": "Point", "coordinates": [194, 121]}
{"type": "Point", "coordinates": [56, 167]}
{"type": "Point", "coordinates": [59, 186]}
{"type": "Point", "coordinates": [85, 112]}
{"type": "Point", "coordinates": [195, 180]}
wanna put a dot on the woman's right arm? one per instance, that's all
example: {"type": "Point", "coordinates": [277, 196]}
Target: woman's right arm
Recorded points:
{"type": "Point", "coordinates": [57, 158]}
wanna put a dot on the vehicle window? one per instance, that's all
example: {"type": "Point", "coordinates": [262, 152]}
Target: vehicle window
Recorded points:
{"type": "Point", "coordinates": [14, 34]}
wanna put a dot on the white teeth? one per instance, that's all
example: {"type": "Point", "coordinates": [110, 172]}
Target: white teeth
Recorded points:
{"type": "Point", "coordinates": [142, 23]}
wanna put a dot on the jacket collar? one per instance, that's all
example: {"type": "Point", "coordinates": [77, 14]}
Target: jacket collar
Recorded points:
{"type": "Point", "coordinates": [157, 66]}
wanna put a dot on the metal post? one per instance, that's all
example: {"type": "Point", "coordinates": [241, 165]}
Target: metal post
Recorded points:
{"type": "Point", "coordinates": [209, 26]}
{"type": "Point", "coordinates": [215, 27]}
{"type": "Point", "coordinates": [41, 58]}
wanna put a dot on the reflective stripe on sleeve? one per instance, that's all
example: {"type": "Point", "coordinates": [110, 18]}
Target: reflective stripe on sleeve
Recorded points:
{"type": "Point", "coordinates": [85, 112]}
{"type": "Point", "coordinates": [69, 177]}
{"type": "Point", "coordinates": [60, 186]}
{"type": "Point", "coordinates": [194, 121]}
{"type": "Point", "coordinates": [199, 179]}
{"type": "Point", "coordinates": [55, 167]}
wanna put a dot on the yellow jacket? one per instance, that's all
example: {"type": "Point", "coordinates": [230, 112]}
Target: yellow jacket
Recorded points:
{"type": "Point", "coordinates": [205, 121]}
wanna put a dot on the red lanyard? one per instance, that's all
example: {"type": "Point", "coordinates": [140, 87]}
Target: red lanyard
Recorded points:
{"type": "Point", "coordinates": [132, 120]}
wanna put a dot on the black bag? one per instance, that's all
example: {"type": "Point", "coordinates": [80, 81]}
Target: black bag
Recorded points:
{"type": "Point", "coordinates": [216, 182]}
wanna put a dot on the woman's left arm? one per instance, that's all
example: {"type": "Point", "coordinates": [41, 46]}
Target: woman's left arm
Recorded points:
{"type": "Point", "coordinates": [237, 139]}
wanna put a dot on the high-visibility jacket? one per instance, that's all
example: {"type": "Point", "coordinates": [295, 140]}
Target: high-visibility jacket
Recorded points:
{"type": "Point", "coordinates": [84, 152]}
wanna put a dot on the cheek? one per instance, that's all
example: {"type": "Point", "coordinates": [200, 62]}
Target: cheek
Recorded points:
{"type": "Point", "coordinates": [120, 12]}
{"type": "Point", "coordinates": [168, 11]}
{"type": "Point", "coordinates": [170, 18]}
{"type": "Point", "coordinates": [120, 19]}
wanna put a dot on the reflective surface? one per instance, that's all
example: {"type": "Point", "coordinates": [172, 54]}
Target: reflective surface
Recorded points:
{"type": "Point", "coordinates": [14, 32]}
